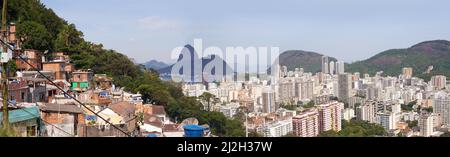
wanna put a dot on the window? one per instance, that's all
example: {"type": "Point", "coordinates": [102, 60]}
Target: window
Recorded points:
{"type": "Point", "coordinates": [22, 95]}
{"type": "Point", "coordinates": [31, 131]}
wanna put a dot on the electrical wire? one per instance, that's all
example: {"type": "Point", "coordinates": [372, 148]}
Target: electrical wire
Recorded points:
{"type": "Point", "coordinates": [53, 83]}
{"type": "Point", "coordinates": [51, 124]}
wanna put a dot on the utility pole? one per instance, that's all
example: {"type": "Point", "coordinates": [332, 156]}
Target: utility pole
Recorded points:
{"type": "Point", "coordinates": [4, 36]}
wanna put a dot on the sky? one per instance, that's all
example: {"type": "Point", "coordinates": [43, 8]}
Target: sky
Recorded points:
{"type": "Point", "coordinates": [349, 30]}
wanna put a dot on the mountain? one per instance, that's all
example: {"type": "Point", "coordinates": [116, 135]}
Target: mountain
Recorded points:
{"type": "Point", "coordinates": [309, 61]}
{"type": "Point", "coordinates": [434, 53]}
{"type": "Point", "coordinates": [189, 56]}
{"type": "Point", "coordinates": [154, 64]}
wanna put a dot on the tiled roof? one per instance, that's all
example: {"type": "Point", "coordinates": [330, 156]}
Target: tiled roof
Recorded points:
{"type": "Point", "coordinates": [158, 110]}
{"type": "Point", "coordinates": [123, 108]}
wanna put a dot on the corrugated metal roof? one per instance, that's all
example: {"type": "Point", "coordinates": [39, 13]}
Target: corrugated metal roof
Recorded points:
{"type": "Point", "coordinates": [24, 114]}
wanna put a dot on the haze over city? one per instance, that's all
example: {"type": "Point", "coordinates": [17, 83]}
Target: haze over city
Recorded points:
{"type": "Point", "coordinates": [349, 30]}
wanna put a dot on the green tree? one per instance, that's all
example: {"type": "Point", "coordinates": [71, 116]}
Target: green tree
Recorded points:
{"type": "Point", "coordinates": [154, 93]}
{"type": "Point", "coordinates": [357, 105]}
{"type": "Point", "coordinates": [83, 60]}
{"type": "Point", "coordinates": [409, 106]}
{"type": "Point", "coordinates": [208, 98]}
{"type": "Point", "coordinates": [290, 106]}
{"type": "Point", "coordinates": [34, 35]}
{"type": "Point", "coordinates": [310, 104]}
{"type": "Point", "coordinates": [446, 134]}
{"type": "Point", "coordinates": [254, 134]}
{"type": "Point", "coordinates": [241, 113]}
{"type": "Point", "coordinates": [428, 109]}
{"type": "Point", "coordinates": [290, 135]}
{"type": "Point", "coordinates": [356, 128]}
{"type": "Point", "coordinates": [413, 123]}
{"type": "Point", "coordinates": [12, 67]}
{"type": "Point", "coordinates": [69, 39]}
{"type": "Point", "coordinates": [329, 134]}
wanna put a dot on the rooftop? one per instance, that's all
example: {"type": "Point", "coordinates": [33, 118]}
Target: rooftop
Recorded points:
{"type": "Point", "coordinates": [61, 108]}
{"type": "Point", "coordinates": [24, 114]}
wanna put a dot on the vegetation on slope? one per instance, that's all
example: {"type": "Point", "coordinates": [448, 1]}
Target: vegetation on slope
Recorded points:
{"type": "Point", "coordinates": [43, 30]}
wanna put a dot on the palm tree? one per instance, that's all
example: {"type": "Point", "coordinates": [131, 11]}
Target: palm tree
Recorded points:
{"type": "Point", "coordinates": [208, 98]}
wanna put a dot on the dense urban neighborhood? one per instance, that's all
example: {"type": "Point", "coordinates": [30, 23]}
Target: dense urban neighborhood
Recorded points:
{"type": "Point", "coordinates": [334, 103]}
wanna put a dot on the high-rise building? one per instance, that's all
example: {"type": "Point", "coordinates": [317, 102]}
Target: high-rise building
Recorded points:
{"type": "Point", "coordinates": [441, 106]}
{"type": "Point", "coordinates": [268, 101]}
{"type": "Point", "coordinates": [354, 101]}
{"type": "Point", "coordinates": [330, 116]}
{"type": "Point", "coordinates": [439, 82]}
{"type": "Point", "coordinates": [357, 75]}
{"type": "Point", "coordinates": [325, 67]}
{"type": "Point", "coordinates": [437, 119]}
{"type": "Point", "coordinates": [387, 120]}
{"type": "Point", "coordinates": [366, 112]}
{"type": "Point", "coordinates": [284, 71]}
{"type": "Point", "coordinates": [340, 67]}
{"type": "Point", "coordinates": [396, 108]}
{"type": "Point", "coordinates": [332, 68]}
{"type": "Point", "coordinates": [426, 125]}
{"type": "Point", "coordinates": [373, 93]}
{"type": "Point", "coordinates": [348, 114]}
{"type": "Point", "coordinates": [306, 124]}
{"type": "Point", "coordinates": [345, 86]}
{"type": "Point", "coordinates": [304, 89]}
{"type": "Point", "coordinates": [407, 72]}
{"type": "Point", "coordinates": [286, 90]}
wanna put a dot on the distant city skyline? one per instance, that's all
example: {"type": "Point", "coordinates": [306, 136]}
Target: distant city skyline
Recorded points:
{"type": "Point", "coordinates": [349, 30]}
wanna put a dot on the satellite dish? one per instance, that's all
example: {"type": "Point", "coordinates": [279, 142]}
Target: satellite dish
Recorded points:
{"type": "Point", "coordinates": [188, 121]}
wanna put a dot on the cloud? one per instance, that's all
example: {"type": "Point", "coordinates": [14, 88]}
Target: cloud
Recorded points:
{"type": "Point", "coordinates": [158, 23]}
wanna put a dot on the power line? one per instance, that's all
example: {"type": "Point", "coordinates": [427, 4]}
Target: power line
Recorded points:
{"type": "Point", "coordinates": [51, 124]}
{"type": "Point", "coordinates": [53, 83]}
{"type": "Point", "coordinates": [48, 122]}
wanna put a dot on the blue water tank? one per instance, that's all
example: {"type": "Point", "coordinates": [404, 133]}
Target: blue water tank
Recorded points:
{"type": "Point", "coordinates": [193, 131]}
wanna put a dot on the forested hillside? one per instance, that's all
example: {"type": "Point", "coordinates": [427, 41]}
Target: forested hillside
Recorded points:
{"type": "Point", "coordinates": [40, 28]}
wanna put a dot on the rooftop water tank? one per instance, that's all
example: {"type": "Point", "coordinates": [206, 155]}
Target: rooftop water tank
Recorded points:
{"type": "Point", "coordinates": [193, 131]}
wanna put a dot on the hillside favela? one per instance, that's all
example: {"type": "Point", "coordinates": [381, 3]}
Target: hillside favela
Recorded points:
{"type": "Point", "coordinates": [63, 74]}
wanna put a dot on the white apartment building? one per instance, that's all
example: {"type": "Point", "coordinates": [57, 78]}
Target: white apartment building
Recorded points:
{"type": "Point", "coordinates": [441, 105]}
{"type": "Point", "coordinates": [387, 120]}
{"type": "Point", "coordinates": [366, 112]}
{"type": "Point", "coordinates": [276, 129]}
{"type": "Point", "coordinates": [426, 125]}
{"type": "Point", "coordinates": [348, 114]}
